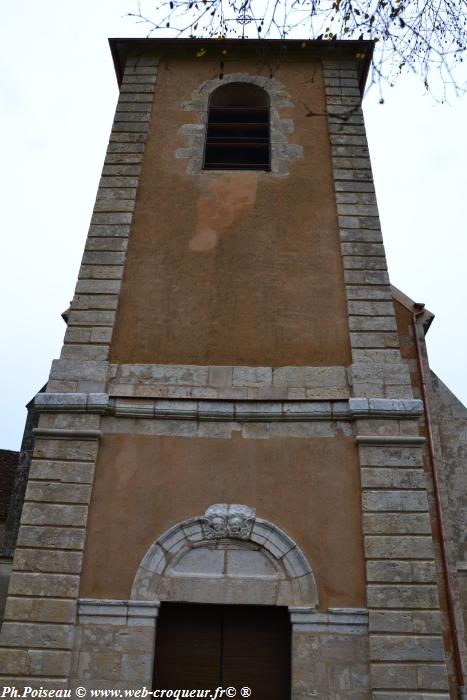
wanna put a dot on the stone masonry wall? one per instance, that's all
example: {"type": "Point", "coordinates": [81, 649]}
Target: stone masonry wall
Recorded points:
{"type": "Point", "coordinates": [406, 645]}
{"type": "Point", "coordinates": [37, 635]}
{"type": "Point", "coordinates": [377, 368]}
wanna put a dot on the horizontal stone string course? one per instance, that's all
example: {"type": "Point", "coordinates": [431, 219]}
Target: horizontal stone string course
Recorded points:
{"type": "Point", "coordinates": [406, 645]}
{"type": "Point", "coordinates": [103, 404]}
{"type": "Point", "coordinates": [93, 309]}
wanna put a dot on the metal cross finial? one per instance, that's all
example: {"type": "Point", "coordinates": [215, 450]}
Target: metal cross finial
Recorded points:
{"type": "Point", "coordinates": [243, 18]}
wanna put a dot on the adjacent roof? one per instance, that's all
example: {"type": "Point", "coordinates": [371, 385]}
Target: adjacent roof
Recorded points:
{"type": "Point", "coordinates": [278, 48]}
{"type": "Point", "coordinates": [413, 306]}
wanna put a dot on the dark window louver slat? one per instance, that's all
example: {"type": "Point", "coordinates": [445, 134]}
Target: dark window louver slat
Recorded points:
{"type": "Point", "coordinates": [238, 132]}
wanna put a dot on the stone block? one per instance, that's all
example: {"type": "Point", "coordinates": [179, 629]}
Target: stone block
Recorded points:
{"type": "Point", "coordinates": [40, 610]}
{"type": "Point", "coordinates": [368, 198]}
{"type": "Point", "coordinates": [101, 272]}
{"type": "Point", "coordinates": [138, 640]}
{"type": "Point", "coordinates": [394, 501]}
{"type": "Point", "coordinates": [366, 277]}
{"type": "Point", "coordinates": [122, 148]}
{"type": "Point", "coordinates": [406, 648]}
{"type": "Point", "coordinates": [303, 429]}
{"type": "Point", "coordinates": [411, 596]}
{"type": "Point", "coordinates": [48, 585]}
{"type": "Point", "coordinates": [310, 377]}
{"type": "Point", "coordinates": [112, 194]}
{"type": "Point", "coordinates": [401, 571]}
{"type": "Point", "coordinates": [51, 514]}
{"type": "Point", "coordinates": [338, 648]}
{"type": "Point", "coordinates": [354, 235]}
{"type": "Point", "coordinates": [129, 158]}
{"type": "Point", "coordinates": [256, 431]}
{"type": "Point", "coordinates": [137, 667]}
{"type": "Point", "coordinates": [396, 676]}
{"type": "Point", "coordinates": [385, 571]}
{"type": "Point", "coordinates": [31, 635]}
{"type": "Point", "coordinates": [69, 419]}
{"type": "Point", "coordinates": [49, 663]}
{"type": "Point", "coordinates": [252, 376]}
{"type": "Point", "coordinates": [84, 352]}
{"type": "Point", "coordinates": [400, 547]}
{"type": "Point", "coordinates": [51, 537]}
{"type": "Point", "coordinates": [390, 621]}
{"type": "Point", "coordinates": [350, 677]}
{"type": "Point", "coordinates": [72, 369]}
{"type": "Point", "coordinates": [61, 385]}
{"type": "Point", "coordinates": [222, 430]}
{"type": "Point", "coordinates": [120, 170]}
{"type": "Point", "coordinates": [390, 456]}
{"type": "Point", "coordinates": [396, 523]}
{"type": "Point", "coordinates": [338, 140]}
{"type": "Point", "coordinates": [109, 231]}
{"type": "Point", "coordinates": [95, 302]}
{"type": "Point", "coordinates": [183, 375]}
{"type": "Point", "coordinates": [77, 334]}
{"type": "Point", "coordinates": [432, 676]}
{"type": "Point", "coordinates": [220, 376]}
{"type": "Point", "coordinates": [380, 477]}
{"type": "Point", "coordinates": [424, 571]}
{"type": "Point", "coordinates": [42, 560]}
{"type": "Point", "coordinates": [359, 262]}
{"type": "Point", "coordinates": [370, 308]}
{"type": "Point", "coordinates": [91, 318]}
{"type": "Point", "coordinates": [99, 665]}
{"type": "Point", "coordinates": [369, 293]}
{"type": "Point", "coordinates": [101, 335]}
{"type": "Point", "coordinates": [58, 492]}
{"type": "Point", "coordinates": [52, 449]}
{"type": "Point", "coordinates": [372, 323]}
{"type": "Point", "coordinates": [337, 127]}
{"type": "Point", "coordinates": [109, 243]}
{"type": "Point", "coordinates": [427, 621]}
{"type": "Point", "coordinates": [66, 472]}
{"type": "Point", "coordinates": [15, 662]}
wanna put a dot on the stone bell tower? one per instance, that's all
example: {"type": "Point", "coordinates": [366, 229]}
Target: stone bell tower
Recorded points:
{"type": "Point", "coordinates": [230, 480]}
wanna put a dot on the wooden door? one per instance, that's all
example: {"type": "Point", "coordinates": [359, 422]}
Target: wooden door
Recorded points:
{"type": "Point", "coordinates": [206, 646]}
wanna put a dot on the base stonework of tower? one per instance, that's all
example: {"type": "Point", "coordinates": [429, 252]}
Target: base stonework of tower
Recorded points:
{"type": "Point", "coordinates": [239, 412]}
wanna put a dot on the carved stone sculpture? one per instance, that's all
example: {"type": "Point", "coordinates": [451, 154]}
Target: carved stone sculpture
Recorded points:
{"type": "Point", "coordinates": [223, 520]}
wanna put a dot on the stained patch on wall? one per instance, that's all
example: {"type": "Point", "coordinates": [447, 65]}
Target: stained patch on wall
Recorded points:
{"type": "Point", "coordinates": [227, 197]}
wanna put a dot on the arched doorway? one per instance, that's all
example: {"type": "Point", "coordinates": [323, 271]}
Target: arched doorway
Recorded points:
{"type": "Point", "coordinates": [226, 581]}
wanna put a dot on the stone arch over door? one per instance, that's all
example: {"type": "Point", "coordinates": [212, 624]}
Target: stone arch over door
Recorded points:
{"type": "Point", "coordinates": [226, 556]}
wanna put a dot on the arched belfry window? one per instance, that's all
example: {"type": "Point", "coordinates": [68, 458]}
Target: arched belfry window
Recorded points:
{"type": "Point", "coordinates": [237, 135]}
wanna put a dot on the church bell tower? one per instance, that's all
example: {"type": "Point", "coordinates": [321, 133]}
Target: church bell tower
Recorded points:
{"type": "Point", "coordinates": [229, 486]}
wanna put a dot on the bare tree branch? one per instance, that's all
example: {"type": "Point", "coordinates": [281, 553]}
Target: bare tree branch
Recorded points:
{"type": "Point", "coordinates": [425, 37]}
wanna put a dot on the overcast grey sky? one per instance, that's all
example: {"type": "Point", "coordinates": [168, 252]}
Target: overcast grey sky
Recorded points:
{"type": "Point", "coordinates": [58, 93]}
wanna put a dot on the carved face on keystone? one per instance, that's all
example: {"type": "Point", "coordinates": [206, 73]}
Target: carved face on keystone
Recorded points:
{"type": "Point", "coordinates": [217, 523]}
{"type": "Point", "coordinates": [235, 524]}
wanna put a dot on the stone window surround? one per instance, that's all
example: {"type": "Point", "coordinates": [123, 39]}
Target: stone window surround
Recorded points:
{"type": "Point", "coordinates": [195, 132]}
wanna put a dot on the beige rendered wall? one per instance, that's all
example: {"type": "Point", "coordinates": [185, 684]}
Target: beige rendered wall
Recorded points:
{"type": "Point", "coordinates": [234, 268]}
{"type": "Point", "coordinates": [309, 487]}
